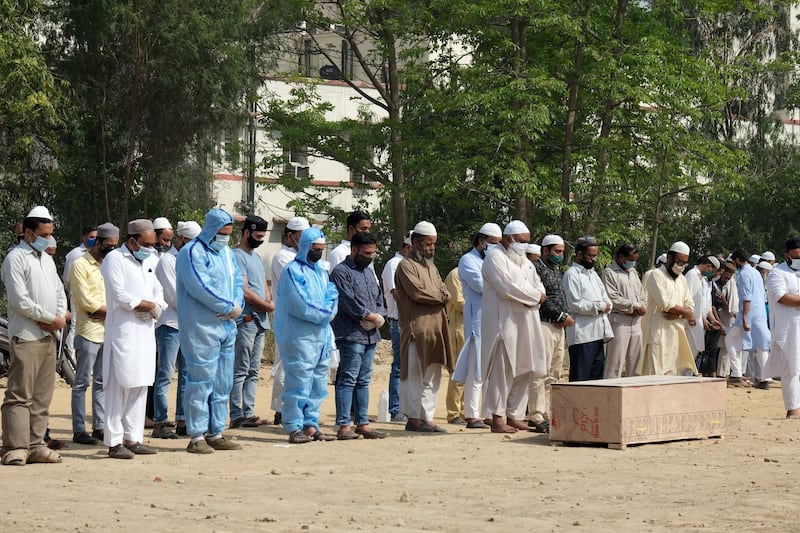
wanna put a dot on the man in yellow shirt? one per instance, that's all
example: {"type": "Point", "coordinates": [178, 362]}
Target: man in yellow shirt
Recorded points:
{"type": "Point", "coordinates": [89, 299]}
{"type": "Point", "coordinates": [455, 327]}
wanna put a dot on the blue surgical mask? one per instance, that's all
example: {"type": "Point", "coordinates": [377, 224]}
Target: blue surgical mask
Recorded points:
{"type": "Point", "coordinates": [219, 242]}
{"type": "Point", "coordinates": [40, 244]}
{"type": "Point", "coordinates": [90, 242]}
{"type": "Point", "coordinates": [142, 253]}
{"type": "Point", "coordinates": [630, 264]}
{"type": "Point", "coordinates": [556, 259]}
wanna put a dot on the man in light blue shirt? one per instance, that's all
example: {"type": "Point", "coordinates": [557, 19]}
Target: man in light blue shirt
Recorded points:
{"type": "Point", "coordinates": [589, 304]}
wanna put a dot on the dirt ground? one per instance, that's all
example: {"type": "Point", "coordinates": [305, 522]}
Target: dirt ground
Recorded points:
{"type": "Point", "coordinates": [467, 480]}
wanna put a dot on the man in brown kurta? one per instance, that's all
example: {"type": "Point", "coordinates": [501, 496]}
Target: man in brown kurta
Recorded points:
{"type": "Point", "coordinates": [424, 341]}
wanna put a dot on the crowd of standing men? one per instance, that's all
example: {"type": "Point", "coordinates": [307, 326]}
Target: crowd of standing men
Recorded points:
{"type": "Point", "coordinates": [500, 323]}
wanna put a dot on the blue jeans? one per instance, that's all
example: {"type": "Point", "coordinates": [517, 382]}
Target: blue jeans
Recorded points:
{"type": "Point", "coordinates": [248, 351]}
{"type": "Point", "coordinates": [181, 388]}
{"type": "Point", "coordinates": [89, 369]}
{"type": "Point", "coordinates": [168, 344]}
{"type": "Point", "coordinates": [394, 374]}
{"type": "Point", "coordinates": [352, 385]}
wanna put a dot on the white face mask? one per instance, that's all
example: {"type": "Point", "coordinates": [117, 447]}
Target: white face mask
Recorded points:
{"type": "Point", "coordinates": [519, 248]}
{"type": "Point", "coordinates": [794, 264]}
{"type": "Point", "coordinates": [678, 270]}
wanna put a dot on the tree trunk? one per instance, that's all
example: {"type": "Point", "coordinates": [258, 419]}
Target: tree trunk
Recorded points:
{"type": "Point", "coordinates": [569, 137]}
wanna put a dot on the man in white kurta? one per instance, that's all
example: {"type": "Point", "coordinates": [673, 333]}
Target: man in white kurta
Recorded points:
{"type": "Point", "coordinates": [669, 305]}
{"type": "Point", "coordinates": [783, 292]}
{"type": "Point", "coordinates": [698, 280]}
{"type": "Point", "coordinates": [512, 343]}
{"type": "Point", "coordinates": [134, 300]}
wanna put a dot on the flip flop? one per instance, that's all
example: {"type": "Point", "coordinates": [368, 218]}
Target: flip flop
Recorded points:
{"type": "Point", "coordinates": [540, 427]}
{"type": "Point", "coordinates": [347, 435]}
{"type": "Point", "coordinates": [320, 436]}
{"type": "Point", "coordinates": [372, 434]}
{"type": "Point", "coordinates": [298, 437]}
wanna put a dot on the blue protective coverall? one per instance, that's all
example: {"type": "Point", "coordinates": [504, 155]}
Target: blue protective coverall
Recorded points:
{"type": "Point", "coordinates": [307, 302]}
{"type": "Point", "coordinates": [209, 284]}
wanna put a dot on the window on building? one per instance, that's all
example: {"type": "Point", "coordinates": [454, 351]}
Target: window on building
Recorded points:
{"type": "Point", "coordinates": [296, 161]}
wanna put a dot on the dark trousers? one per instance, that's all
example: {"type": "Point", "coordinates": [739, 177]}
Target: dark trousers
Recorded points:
{"type": "Point", "coordinates": [586, 361]}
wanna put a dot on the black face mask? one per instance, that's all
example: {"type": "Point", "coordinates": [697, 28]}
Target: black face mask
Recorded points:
{"type": "Point", "coordinates": [313, 256]}
{"type": "Point", "coordinates": [362, 260]}
{"type": "Point", "coordinates": [161, 248]}
{"type": "Point", "coordinates": [253, 243]}
{"type": "Point", "coordinates": [587, 265]}
{"type": "Point", "coordinates": [105, 251]}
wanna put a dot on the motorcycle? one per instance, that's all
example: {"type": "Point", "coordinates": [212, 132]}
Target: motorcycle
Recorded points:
{"type": "Point", "coordinates": [65, 360]}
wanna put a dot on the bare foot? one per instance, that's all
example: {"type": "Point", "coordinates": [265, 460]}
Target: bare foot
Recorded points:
{"type": "Point", "coordinates": [793, 414]}
{"type": "Point", "coordinates": [499, 427]}
{"type": "Point", "coordinates": [517, 424]}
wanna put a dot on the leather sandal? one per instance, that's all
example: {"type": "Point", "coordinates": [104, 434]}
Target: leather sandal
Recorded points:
{"type": "Point", "coordinates": [347, 435]}
{"type": "Point", "coordinates": [323, 437]}
{"type": "Point", "coordinates": [43, 454]}
{"type": "Point", "coordinates": [298, 437]}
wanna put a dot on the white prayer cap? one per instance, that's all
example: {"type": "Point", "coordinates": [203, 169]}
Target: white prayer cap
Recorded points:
{"type": "Point", "coordinates": [714, 261]}
{"type": "Point", "coordinates": [754, 259]}
{"type": "Point", "coordinates": [534, 249]}
{"type": "Point", "coordinates": [550, 240]}
{"type": "Point", "coordinates": [188, 230]}
{"type": "Point", "coordinates": [161, 223]}
{"type": "Point", "coordinates": [679, 247]}
{"type": "Point", "coordinates": [321, 240]}
{"type": "Point", "coordinates": [768, 256]}
{"type": "Point", "coordinates": [516, 227]}
{"type": "Point", "coordinates": [662, 259]}
{"type": "Point", "coordinates": [490, 229]}
{"type": "Point", "coordinates": [298, 224]}
{"type": "Point", "coordinates": [40, 211]}
{"type": "Point", "coordinates": [425, 228]}
{"type": "Point", "coordinates": [407, 238]}
{"type": "Point", "coordinates": [763, 265]}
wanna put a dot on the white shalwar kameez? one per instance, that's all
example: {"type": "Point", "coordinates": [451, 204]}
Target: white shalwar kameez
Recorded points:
{"type": "Point", "coordinates": [784, 358]}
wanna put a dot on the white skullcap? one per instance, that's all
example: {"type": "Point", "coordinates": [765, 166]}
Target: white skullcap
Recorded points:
{"type": "Point", "coordinates": [40, 211]}
{"type": "Point", "coordinates": [490, 229]}
{"type": "Point", "coordinates": [763, 265]}
{"type": "Point", "coordinates": [516, 227]}
{"type": "Point", "coordinates": [425, 228]}
{"type": "Point", "coordinates": [161, 223]}
{"type": "Point", "coordinates": [298, 224]}
{"type": "Point", "coordinates": [768, 256]}
{"type": "Point", "coordinates": [407, 238]}
{"type": "Point", "coordinates": [321, 240]}
{"type": "Point", "coordinates": [679, 247]}
{"type": "Point", "coordinates": [661, 258]}
{"type": "Point", "coordinates": [534, 249]}
{"type": "Point", "coordinates": [550, 240]}
{"type": "Point", "coordinates": [188, 230]}
{"type": "Point", "coordinates": [714, 261]}
{"type": "Point", "coordinates": [755, 258]}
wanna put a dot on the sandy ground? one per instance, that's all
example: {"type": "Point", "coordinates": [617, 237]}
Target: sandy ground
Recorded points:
{"type": "Point", "coordinates": [467, 480]}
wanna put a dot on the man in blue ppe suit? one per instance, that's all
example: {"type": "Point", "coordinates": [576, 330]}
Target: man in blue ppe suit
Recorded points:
{"type": "Point", "coordinates": [308, 303]}
{"type": "Point", "coordinates": [210, 297]}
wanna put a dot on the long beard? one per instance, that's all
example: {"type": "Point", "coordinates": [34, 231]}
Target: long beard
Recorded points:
{"type": "Point", "coordinates": [419, 257]}
{"type": "Point", "coordinates": [516, 258]}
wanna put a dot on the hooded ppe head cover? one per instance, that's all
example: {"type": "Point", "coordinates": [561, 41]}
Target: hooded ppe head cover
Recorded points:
{"type": "Point", "coordinates": [307, 238]}
{"type": "Point", "coordinates": [215, 220]}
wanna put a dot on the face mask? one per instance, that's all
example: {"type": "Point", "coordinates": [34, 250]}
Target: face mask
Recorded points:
{"type": "Point", "coordinates": [630, 264]}
{"type": "Point", "coordinates": [90, 242]}
{"type": "Point", "coordinates": [363, 261]}
{"type": "Point", "coordinates": [142, 253]}
{"type": "Point", "coordinates": [794, 264]}
{"type": "Point", "coordinates": [313, 256]}
{"type": "Point", "coordinates": [254, 243]}
{"type": "Point", "coordinates": [519, 248]}
{"type": "Point", "coordinates": [491, 246]}
{"type": "Point", "coordinates": [220, 241]}
{"type": "Point", "coordinates": [161, 248]}
{"type": "Point", "coordinates": [40, 244]}
{"type": "Point", "coordinates": [678, 270]}
{"type": "Point", "coordinates": [105, 251]}
{"type": "Point", "coordinates": [556, 259]}
{"type": "Point", "coordinates": [708, 274]}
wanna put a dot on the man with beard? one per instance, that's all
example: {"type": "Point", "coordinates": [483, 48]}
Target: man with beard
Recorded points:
{"type": "Point", "coordinates": [669, 303]}
{"type": "Point", "coordinates": [511, 332]}
{"type": "Point", "coordinates": [425, 343]}
{"type": "Point", "coordinates": [589, 304]}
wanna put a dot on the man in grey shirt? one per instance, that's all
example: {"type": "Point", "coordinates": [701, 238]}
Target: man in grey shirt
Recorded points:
{"type": "Point", "coordinates": [625, 290]}
{"type": "Point", "coordinates": [37, 307]}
